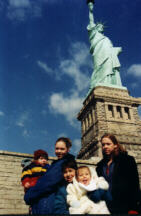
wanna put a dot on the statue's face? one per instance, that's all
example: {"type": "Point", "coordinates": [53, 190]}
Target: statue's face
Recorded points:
{"type": "Point", "coordinates": [100, 28]}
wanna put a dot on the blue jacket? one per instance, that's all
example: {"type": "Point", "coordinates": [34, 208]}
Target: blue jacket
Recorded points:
{"type": "Point", "coordinates": [41, 196]}
{"type": "Point", "coordinates": [60, 205]}
{"type": "Point", "coordinates": [100, 194]}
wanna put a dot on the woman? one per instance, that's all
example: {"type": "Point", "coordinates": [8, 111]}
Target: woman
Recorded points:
{"type": "Point", "coordinates": [120, 170]}
{"type": "Point", "coordinates": [41, 196]}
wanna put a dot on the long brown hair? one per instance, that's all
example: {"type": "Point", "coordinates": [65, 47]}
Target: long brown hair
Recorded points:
{"type": "Point", "coordinates": [119, 149]}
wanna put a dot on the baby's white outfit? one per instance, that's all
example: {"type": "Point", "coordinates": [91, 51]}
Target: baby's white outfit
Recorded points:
{"type": "Point", "coordinates": [78, 200]}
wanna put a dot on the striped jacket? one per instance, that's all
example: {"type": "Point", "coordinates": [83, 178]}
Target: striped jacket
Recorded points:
{"type": "Point", "coordinates": [32, 173]}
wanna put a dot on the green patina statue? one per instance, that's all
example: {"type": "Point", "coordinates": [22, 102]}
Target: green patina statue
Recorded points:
{"type": "Point", "coordinates": [105, 56]}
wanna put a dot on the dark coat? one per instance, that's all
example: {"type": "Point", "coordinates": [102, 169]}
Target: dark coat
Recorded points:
{"type": "Point", "coordinates": [61, 206]}
{"type": "Point", "coordinates": [41, 196]}
{"type": "Point", "coordinates": [100, 194]}
{"type": "Point", "coordinates": [125, 183]}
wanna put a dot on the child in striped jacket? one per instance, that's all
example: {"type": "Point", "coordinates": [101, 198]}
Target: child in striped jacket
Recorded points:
{"type": "Point", "coordinates": [35, 169]}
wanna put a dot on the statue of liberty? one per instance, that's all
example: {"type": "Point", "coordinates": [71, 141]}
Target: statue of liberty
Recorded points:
{"type": "Point", "coordinates": [105, 56]}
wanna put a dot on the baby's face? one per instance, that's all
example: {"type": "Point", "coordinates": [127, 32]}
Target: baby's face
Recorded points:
{"type": "Point", "coordinates": [42, 161]}
{"type": "Point", "coordinates": [84, 176]}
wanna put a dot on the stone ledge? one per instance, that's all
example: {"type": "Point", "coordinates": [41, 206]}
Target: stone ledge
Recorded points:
{"type": "Point", "coordinates": [18, 154]}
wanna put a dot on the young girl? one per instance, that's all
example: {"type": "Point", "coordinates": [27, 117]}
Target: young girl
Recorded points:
{"type": "Point", "coordinates": [86, 181]}
{"type": "Point", "coordinates": [69, 169]}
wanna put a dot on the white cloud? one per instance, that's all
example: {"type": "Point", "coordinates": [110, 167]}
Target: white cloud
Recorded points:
{"type": "Point", "coordinates": [19, 3]}
{"type": "Point", "coordinates": [76, 145]}
{"type": "Point", "coordinates": [20, 10]}
{"type": "Point", "coordinates": [73, 67]}
{"type": "Point", "coordinates": [22, 119]}
{"type": "Point", "coordinates": [79, 57]}
{"type": "Point", "coordinates": [67, 106]}
{"type": "Point", "coordinates": [2, 113]}
{"type": "Point", "coordinates": [135, 70]}
{"type": "Point", "coordinates": [25, 133]}
{"type": "Point", "coordinates": [80, 53]}
{"type": "Point", "coordinates": [44, 66]}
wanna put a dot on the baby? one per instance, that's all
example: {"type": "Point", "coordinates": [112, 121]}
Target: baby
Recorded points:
{"type": "Point", "coordinates": [87, 181]}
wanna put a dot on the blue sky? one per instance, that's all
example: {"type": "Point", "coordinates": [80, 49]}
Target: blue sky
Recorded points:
{"type": "Point", "coordinates": [45, 66]}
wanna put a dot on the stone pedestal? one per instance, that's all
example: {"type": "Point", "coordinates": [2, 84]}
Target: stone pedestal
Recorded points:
{"type": "Point", "coordinates": [114, 111]}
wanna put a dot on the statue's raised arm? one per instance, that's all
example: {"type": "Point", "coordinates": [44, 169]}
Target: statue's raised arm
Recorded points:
{"type": "Point", "coordinates": [91, 17]}
{"type": "Point", "coordinates": [105, 56]}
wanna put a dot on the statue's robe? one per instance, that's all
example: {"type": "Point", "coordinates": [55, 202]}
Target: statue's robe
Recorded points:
{"type": "Point", "coordinates": [106, 63]}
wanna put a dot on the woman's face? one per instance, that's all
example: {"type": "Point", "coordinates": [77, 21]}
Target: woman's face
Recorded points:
{"type": "Point", "coordinates": [108, 146]}
{"type": "Point", "coordinates": [61, 149]}
{"type": "Point", "coordinates": [69, 173]}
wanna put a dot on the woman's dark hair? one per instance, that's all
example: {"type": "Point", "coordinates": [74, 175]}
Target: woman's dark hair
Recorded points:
{"type": "Point", "coordinates": [66, 140]}
{"type": "Point", "coordinates": [69, 164]}
{"type": "Point", "coordinates": [113, 138]}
